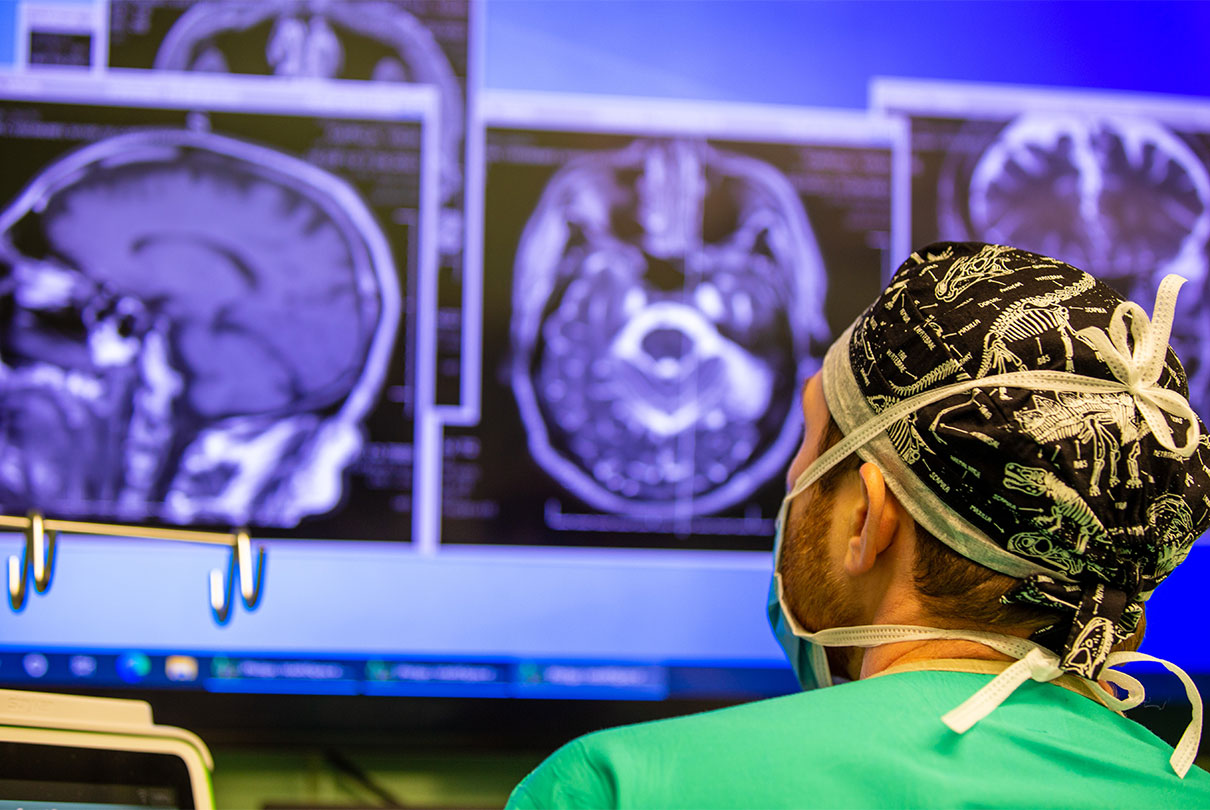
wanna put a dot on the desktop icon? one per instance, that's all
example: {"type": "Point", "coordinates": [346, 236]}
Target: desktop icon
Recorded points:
{"type": "Point", "coordinates": [223, 668]}
{"type": "Point", "coordinates": [529, 673]}
{"type": "Point", "coordinates": [35, 665]}
{"type": "Point", "coordinates": [133, 667]}
{"type": "Point", "coordinates": [181, 668]}
{"type": "Point", "coordinates": [82, 666]}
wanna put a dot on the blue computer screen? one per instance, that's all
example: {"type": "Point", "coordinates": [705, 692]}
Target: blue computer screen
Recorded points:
{"type": "Point", "coordinates": [488, 321]}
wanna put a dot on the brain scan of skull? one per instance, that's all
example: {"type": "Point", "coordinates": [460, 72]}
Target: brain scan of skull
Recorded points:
{"type": "Point", "coordinates": [193, 328]}
{"type": "Point", "coordinates": [665, 299]}
{"type": "Point", "coordinates": [1123, 197]}
{"type": "Point", "coordinates": [328, 39]}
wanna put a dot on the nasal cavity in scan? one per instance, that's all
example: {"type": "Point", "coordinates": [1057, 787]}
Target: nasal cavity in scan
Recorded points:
{"type": "Point", "coordinates": [664, 274]}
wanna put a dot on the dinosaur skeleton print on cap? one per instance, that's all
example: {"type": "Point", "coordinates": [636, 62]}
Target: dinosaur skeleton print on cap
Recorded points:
{"type": "Point", "coordinates": [1036, 423]}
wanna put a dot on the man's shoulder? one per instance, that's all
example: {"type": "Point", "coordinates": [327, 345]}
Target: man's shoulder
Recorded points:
{"type": "Point", "coordinates": [754, 754]}
{"type": "Point", "coordinates": [718, 752]}
{"type": "Point", "coordinates": [844, 715]}
{"type": "Point", "coordinates": [818, 705]}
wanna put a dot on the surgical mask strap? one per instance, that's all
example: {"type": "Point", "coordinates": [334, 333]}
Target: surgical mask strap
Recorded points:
{"type": "Point", "coordinates": [876, 635]}
{"type": "Point", "coordinates": [1137, 373]}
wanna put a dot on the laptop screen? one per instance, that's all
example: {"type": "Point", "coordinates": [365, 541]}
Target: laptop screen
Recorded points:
{"type": "Point", "coordinates": [39, 777]}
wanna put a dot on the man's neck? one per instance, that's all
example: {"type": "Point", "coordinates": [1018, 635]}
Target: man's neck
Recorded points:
{"type": "Point", "coordinates": [878, 659]}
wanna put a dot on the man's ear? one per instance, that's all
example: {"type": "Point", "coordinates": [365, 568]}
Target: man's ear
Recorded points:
{"type": "Point", "coordinates": [876, 522]}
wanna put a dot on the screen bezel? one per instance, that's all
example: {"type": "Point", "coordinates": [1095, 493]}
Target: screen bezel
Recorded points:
{"type": "Point", "coordinates": [31, 761]}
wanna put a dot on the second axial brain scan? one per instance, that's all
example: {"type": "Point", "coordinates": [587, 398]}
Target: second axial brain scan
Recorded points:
{"type": "Point", "coordinates": [1123, 197]}
{"type": "Point", "coordinates": [192, 329]}
{"type": "Point", "coordinates": [350, 39]}
{"type": "Point", "coordinates": [665, 296]}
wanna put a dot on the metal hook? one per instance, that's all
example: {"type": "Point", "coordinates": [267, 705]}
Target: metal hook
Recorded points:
{"type": "Point", "coordinates": [39, 555]}
{"type": "Point", "coordinates": [250, 580]}
{"type": "Point", "coordinates": [18, 575]}
{"type": "Point", "coordinates": [43, 543]}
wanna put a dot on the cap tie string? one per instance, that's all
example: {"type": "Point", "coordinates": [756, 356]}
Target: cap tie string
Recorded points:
{"type": "Point", "coordinates": [1140, 370]}
{"type": "Point", "coordinates": [1042, 665]}
{"type": "Point", "coordinates": [1038, 665]}
{"type": "Point", "coordinates": [1034, 662]}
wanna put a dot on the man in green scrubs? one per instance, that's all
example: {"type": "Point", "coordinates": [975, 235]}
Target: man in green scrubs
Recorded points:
{"type": "Point", "coordinates": [999, 466]}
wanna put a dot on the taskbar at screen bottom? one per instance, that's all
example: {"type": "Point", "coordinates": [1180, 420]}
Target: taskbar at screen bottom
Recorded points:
{"type": "Point", "coordinates": [395, 676]}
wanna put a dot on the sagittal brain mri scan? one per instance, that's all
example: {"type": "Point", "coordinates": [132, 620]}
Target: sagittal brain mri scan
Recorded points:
{"type": "Point", "coordinates": [325, 39]}
{"type": "Point", "coordinates": [192, 328]}
{"type": "Point", "coordinates": [665, 297]}
{"type": "Point", "coordinates": [1125, 198]}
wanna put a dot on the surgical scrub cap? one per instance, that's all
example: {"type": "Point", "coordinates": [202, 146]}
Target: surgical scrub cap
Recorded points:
{"type": "Point", "coordinates": [1083, 473]}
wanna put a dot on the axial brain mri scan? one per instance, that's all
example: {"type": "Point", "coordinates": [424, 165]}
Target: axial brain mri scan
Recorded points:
{"type": "Point", "coordinates": [1125, 198]}
{"type": "Point", "coordinates": [192, 328]}
{"type": "Point", "coordinates": [327, 39]}
{"type": "Point", "coordinates": [665, 299]}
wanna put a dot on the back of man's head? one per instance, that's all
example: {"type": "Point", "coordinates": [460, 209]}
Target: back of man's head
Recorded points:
{"type": "Point", "coordinates": [1035, 424]}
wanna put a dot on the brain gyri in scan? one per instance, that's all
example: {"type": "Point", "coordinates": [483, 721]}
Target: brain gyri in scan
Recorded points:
{"type": "Point", "coordinates": [664, 296]}
{"type": "Point", "coordinates": [1123, 197]}
{"type": "Point", "coordinates": [323, 39]}
{"type": "Point", "coordinates": [187, 332]}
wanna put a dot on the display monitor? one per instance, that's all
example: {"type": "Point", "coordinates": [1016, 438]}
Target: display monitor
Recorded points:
{"type": "Point", "coordinates": [222, 309]}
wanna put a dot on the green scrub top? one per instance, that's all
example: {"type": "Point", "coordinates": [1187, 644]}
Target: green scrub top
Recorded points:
{"type": "Point", "coordinates": [876, 743]}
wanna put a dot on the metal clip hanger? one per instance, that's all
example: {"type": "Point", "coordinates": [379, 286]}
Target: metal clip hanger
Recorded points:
{"type": "Point", "coordinates": [38, 556]}
{"type": "Point", "coordinates": [250, 581]}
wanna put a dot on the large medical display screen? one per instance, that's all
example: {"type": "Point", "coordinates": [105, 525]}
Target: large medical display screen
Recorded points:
{"type": "Point", "coordinates": [429, 42]}
{"type": "Point", "coordinates": [505, 383]}
{"type": "Point", "coordinates": [1116, 186]}
{"type": "Point", "coordinates": [206, 307]}
{"type": "Point", "coordinates": [654, 299]}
